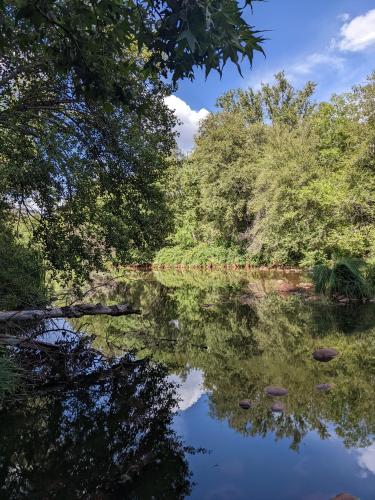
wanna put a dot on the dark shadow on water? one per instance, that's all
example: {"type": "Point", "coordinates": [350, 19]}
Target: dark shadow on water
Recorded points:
{"type": "Point", "coordinates": [109, 439]}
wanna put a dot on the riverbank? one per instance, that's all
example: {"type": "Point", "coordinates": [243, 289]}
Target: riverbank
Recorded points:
{"type": "Point", "coordinates": [215, 266]}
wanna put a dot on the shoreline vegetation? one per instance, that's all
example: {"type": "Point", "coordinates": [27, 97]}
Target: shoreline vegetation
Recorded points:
{"type": "Point", "coordinates": [276, 181]}
{"type": "Point", "coordinates": [276, 178]}
{"type": "Point", "coordinates": [215, 266]}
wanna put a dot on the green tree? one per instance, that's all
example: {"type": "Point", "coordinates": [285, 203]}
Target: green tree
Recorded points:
{"type": "Point", "coordinates": [279, 179]}
{"type": "Point", "coordinates": [85, 132]}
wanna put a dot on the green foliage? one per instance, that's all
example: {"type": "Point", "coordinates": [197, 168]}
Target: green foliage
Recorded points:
{"type": "Point", "coordinates": [370, 275]}
{"type": "Point", "coordinates": [91, 40]}
{"type": "Point", "coordinates": [343, 278]}
{"type": "Point", "coordinates": [22, 276]}
{"type": "Point", "coordinates": [84, 129]}
{"type": "Point", "coordinates": [199, 255]}
{"type": "Point", "coordinates": [9, 375]}
{"type": "Point", "coordinates": [284, 180]}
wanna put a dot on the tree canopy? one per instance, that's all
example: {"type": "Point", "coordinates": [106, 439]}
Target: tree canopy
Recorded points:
{"type": "Point", "coordinates": [84, 130]}
{"type": "Point", "coordinates": [277, 178]}
{"type": "Point", "coordinates": [91, 40]}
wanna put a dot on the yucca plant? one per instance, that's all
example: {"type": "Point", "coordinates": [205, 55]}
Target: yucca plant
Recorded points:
{"type": "Point", "coordinates": [344, 278]}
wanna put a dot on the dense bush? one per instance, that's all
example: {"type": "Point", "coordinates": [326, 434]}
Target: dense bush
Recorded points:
{"type": "Point", "coordinates": [22, 278]}
{"type": "Point", "coordinates": [200, 255]}
{"type": "Point", "coordinates": [283, 180]}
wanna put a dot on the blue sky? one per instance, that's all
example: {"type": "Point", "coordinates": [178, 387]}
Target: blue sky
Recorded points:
{"type": "Point", "coordinates": [331, 42]}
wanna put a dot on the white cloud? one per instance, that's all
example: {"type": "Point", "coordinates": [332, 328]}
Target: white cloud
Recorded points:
{"type": "Point", "coordinates": [358, 34]}
{"type": "Point", "coordinates": [297, 72]}
{"type": "Point", "coordinates": [366, 459]}
{"type": "Point", "coordinates": [189, 119]}
{"type": "Point", "coordinates": [317, 59]}
{"type": "Point", "coordinates": [344, 17]}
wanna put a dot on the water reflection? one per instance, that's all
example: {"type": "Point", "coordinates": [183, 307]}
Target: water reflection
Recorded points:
{"type": "Point", "coordinates": [109, 439]}
{"type": "Point", "coordinates": [189, 388]}
{"type": "Point", "coordinates": [223, 337]}
{"type": "Point", "coordinates": [366, 460]}
{"type": "Point", "coordinates": [241, 349]}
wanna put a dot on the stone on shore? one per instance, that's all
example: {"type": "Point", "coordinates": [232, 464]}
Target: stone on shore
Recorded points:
{"type": "Point", "coordinates": [278, 407]}
{"type": "Point", "coordinates": [323, 387]}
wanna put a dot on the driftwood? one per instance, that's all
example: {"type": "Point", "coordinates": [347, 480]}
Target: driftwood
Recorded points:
{"type": "Point", "coordinates": [67, 312]}
{"type": "Point", "coordinates": [12, 340]}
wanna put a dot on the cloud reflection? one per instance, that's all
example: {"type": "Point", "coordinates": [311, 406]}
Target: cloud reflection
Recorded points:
{"type": "Point", "coordinates": [190, 389]}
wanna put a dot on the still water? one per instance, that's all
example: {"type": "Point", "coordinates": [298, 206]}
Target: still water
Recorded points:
{"type": "Point", "coordinates": [170, 425]}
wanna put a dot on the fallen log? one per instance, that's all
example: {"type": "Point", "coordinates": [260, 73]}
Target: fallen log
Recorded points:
{"type": "Point", "coordinates": [76, 311]}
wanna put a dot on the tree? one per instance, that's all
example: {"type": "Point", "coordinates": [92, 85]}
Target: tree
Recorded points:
{"type": "Point", "coordinates": [279, 179]}
{"type": "Point", "coordinates": [85, 132]}
{"type": "Point", "coordinates": [91, 40]}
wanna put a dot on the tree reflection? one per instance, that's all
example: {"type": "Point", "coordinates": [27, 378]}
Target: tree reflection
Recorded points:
{"type": "Point", "coordinates": [243, 348]}
{"type": "Point", "coordinates": [109, 438]}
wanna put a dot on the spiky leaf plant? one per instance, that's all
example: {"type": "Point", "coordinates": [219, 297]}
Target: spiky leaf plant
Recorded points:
{"type": "Point", "coordinates": [344, 278]}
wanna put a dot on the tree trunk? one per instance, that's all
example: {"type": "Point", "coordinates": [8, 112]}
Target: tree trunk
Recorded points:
{"type": "Point", "coordinates": [67, 312]}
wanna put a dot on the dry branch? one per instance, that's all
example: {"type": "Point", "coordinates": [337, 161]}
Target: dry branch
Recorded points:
{"type": "Point", "coordinates": [11, 340]}
{"type": "Point", "coordinates": [76, 311]}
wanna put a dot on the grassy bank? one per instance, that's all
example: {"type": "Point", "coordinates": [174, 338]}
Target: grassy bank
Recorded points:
{"type": "Point", "coordinates": [201, 255]}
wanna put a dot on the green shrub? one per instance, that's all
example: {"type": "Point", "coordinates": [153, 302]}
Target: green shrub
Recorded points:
{"type": "Point", "coordinates": [9, 375]}
{"type": "Point", "coordinates": [199, 255]}
{"type": "Point", "coordinates": [344, 278]}
{"type": "Point", "coordinates": [22, 277]}
{"type": "Point", "coordinates": [370, 276]}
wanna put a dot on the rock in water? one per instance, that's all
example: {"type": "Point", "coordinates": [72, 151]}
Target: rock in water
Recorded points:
{"type": "Point", "coordinates": [325, 354]}
{"type": "Point", "coordinates": [278, 407]}
{"type": "Point", "coordinates": [245, 404]}
{"type": "Point", "coordinates": [344, 496]}
{"type": "Point", "coordinates": [273, 390]}
{"type": "Point", "coordinates": [323, 387]}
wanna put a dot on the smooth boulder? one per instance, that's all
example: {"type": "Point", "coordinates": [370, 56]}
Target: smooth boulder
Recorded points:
{"type": "Point", "coordinates": [325, 354]}
{"type": "Point", "coordinates": [245, 404]}
{"type": "Point", "coordinates": [275, 391]}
